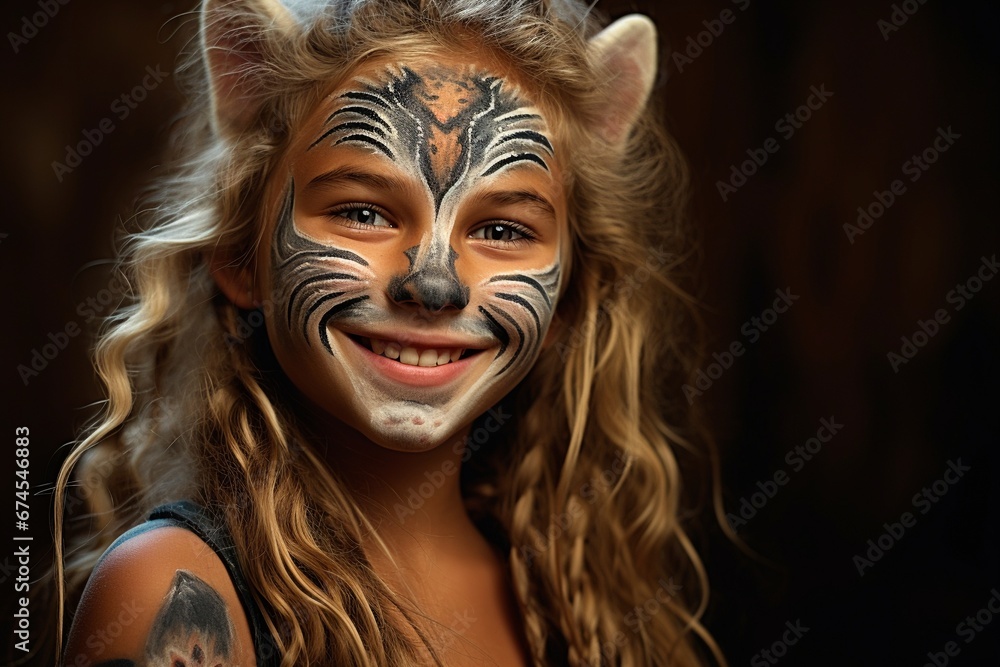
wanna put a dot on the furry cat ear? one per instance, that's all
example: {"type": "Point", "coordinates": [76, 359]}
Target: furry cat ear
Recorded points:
{"type": "Point", "coordinates": [625, 52]}
{"type": "Point", "coordinates": [237, 36]}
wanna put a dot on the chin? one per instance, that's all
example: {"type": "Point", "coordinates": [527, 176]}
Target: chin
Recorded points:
{"type": "Point", "coordinates": [408, 426]}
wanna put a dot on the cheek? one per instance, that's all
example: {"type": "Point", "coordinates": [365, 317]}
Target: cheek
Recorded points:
{"type": "Point", "coordinates": [313, 294]}
{"type": "Point", "coordinates": [518, 307]}
{"type": "Point", "coordinates": [314, 284]}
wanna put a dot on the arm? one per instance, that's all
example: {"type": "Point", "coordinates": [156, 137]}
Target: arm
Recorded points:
{"type": "Point", "coordinates": [162, 598]}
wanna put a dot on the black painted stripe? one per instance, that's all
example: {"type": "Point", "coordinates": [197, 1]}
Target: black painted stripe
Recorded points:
{"type": "Point", "coordinates": [333, 312]}
{"type": "Point", "coordinates": [367, 97]}
{"type": "Point", "coordinates": [498, 331]}
{"type": "Point", "coordinates": [368, 140]}
{"type": "Point", "coordinates": [524, 303]}
{"type": "Point", "coordinates": [313, 308]}
{"type": "Point", "coordinates": [314, 279]}
{"type": "Point", "coordinates": [520, 157]}
{"type": "Point", "coordinates": [527, 280]}
{"type": "Point", "coordinates": [360, 125]}
{"type": "Point", "coordinates": [350, 125]}
{"type": "Point", "coordinates": [336, 253]}
{"type": "Point", "coordinates": [519, 117]}
{"type": "Point", "coordinates": [529, 135]}
{"type": "Point", "coordinates": [370, 114]}
{"type": "Point", "coordinates": [520, 334]}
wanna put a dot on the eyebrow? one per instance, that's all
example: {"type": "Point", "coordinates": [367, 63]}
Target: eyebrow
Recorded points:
{"type": "Point", "coordinates": [515, 197]}
{"type": "Point", "coordinates": [348, 174]}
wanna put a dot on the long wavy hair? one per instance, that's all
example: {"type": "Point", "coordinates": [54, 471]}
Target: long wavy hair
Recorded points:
{"type": "Point", "coordinates": [584, 492]}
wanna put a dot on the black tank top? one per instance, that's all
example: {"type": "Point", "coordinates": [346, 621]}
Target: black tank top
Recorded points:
{"type": "Point", "coordinates": [194, 517]}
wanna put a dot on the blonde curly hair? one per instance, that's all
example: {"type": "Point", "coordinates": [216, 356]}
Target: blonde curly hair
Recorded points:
{"type": "Point", "coordinates": [585, 489]}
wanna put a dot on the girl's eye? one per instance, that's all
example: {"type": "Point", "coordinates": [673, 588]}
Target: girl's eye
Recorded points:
{"type": "Point", "coordinates": [500, 232]}
{"type": "Point", "coordinates": [363, 216]}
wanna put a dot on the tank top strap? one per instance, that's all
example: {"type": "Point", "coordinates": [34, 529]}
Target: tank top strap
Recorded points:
{"type": "Point", "coordinates": [213, 532]}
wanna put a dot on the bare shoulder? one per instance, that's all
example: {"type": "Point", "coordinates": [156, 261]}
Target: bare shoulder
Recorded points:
{"type": "Point", "coordinates": [162, 597]}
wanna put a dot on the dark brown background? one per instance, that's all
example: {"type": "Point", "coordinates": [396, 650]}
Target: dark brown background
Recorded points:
{"type": "Point", "coordinates": [783, 229]}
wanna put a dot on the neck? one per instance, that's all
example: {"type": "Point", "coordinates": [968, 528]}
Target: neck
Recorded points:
{"type": "Point", "coordinates": [413, 499]}
{"type": "Point", "coordinates": [436, 562]}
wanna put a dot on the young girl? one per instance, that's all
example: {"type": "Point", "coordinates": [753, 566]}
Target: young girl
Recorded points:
{"type": "Point", "coordinates": [391, 388]}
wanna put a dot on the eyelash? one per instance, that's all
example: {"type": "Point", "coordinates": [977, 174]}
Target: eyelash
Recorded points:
{"type": "Point", "coordinates": [527, 236]}
{"type": "Point", "coordinates": [340, 211]}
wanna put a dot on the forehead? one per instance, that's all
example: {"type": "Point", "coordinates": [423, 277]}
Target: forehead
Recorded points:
{"type": "Point", "coordinates": [451, 120]}
{"type": "Point", "coordinates": [442, 84]}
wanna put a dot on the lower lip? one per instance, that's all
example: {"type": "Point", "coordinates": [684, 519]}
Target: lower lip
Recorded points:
{"type": "Point", "coordinates": [415, 376]}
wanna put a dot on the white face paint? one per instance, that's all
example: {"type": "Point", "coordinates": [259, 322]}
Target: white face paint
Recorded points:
{"type": "Point", "coordinates": [416, 261]}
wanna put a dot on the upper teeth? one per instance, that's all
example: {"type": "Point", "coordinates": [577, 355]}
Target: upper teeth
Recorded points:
{"type": "Point", "coordinates": [414, 357]}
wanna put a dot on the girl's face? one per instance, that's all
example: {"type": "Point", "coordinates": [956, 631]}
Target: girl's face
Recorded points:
{"type": "Point", "coordinates": [416, 262]}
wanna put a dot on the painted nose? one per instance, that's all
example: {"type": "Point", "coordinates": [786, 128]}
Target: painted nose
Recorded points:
{"type": "Point", "coordinates": [433, 291]}
{"type": "Point", "coordinates": [434, 286]}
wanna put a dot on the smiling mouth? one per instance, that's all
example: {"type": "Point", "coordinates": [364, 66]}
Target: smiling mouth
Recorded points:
{"type": "Point", "coordinates": [411, 355]}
